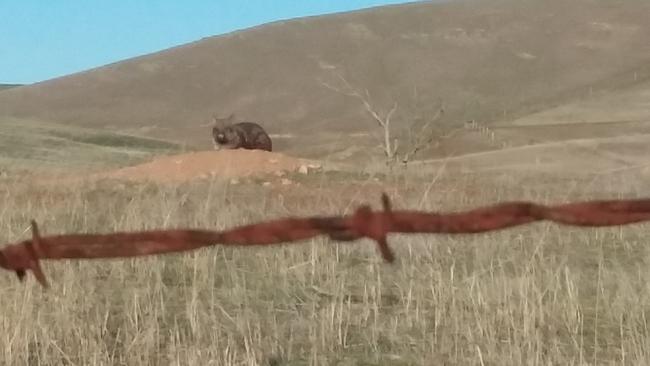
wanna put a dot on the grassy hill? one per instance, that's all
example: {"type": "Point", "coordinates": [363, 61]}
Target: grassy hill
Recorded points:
{"type": "Point", "coordinates": [8, 86]}
{"type": "Point", "coordinates": [492, 61]}
{"type": "Point", "coordinates": [36, 145]}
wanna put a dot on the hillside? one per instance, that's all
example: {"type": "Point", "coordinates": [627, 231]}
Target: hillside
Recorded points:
{"type": "Point", "coordinates": [491, 61]}
{"type": "Point", "coordinates": [625, 112]}
{"type": "Point", "coordinates": [8, 86]}
{"type": "Point", "coordinates": [36, 145]}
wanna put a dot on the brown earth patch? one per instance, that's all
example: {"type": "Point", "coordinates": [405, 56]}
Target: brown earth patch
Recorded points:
{"type": "Point", "coordinates": [206, 164]}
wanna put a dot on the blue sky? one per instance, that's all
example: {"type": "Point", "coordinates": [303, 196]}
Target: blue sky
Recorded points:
{"type": "Point", "coordinates": [43, 39]}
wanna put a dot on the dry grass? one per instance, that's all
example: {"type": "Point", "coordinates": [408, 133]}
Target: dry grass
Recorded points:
{"type": "Point", "coordinates": [539, 294]}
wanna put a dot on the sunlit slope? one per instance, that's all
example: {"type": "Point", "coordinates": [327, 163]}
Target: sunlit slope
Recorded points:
{"type": "Point", "coordinates": [486, 60]}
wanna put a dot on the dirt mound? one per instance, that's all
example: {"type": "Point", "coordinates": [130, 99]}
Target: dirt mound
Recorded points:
{"type": "Point", "coordinates": [205, 164]}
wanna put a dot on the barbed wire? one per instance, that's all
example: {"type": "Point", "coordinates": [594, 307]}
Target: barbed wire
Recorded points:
{"type": "Point", "coordinates": [25, 256]}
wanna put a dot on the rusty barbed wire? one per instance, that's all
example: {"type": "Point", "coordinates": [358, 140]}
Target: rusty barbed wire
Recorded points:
{"type": "Point", "coordinates": [25, 256]}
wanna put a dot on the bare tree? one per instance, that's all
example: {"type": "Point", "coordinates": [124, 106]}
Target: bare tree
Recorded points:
{"type": "Point", "coordinates": [426, 136]}
{"type": "Point", "coordinates": [389, 145]}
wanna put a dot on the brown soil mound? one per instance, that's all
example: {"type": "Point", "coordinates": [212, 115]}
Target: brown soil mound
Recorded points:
{"type": "Point", "coordinates": [205, 164]}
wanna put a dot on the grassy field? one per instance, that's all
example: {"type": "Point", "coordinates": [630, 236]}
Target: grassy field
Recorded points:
{"type": "Point", "coordinates": [30, 144]}
{"type": "Point", "coordinates": [534, 295]}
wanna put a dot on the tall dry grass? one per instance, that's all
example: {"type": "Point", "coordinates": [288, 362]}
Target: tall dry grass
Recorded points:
{"type": "Point", "coordinates": [534, 295]}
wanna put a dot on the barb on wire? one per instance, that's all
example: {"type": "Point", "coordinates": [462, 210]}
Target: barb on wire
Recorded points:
{"type": "Point", "coordinates": [25, 256]}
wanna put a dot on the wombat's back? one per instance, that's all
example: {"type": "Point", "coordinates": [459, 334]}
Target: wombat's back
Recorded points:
{"type": "Point", "coordinates": [253, 136]}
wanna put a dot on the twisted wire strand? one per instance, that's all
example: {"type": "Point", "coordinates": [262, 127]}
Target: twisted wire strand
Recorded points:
{"type": "Point", "coordinates": [25, 256]}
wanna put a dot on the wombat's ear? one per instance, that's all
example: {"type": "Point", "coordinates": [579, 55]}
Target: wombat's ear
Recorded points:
{"type": "Point", "coordinates": [231, 118]}
{"type": "Point", "coordinates": [216, 121]}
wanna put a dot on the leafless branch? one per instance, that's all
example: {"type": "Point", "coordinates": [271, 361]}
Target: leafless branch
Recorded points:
{"type": "Point", "coordinates": [389, 147]}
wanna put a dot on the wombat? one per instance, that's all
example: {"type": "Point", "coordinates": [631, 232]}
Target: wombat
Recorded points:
{"type": "Point", "coordinates": [242, 135]}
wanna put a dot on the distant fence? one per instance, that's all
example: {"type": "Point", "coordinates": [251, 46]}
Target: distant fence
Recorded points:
{"type": "Point", "coordinates": [25, 256]}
